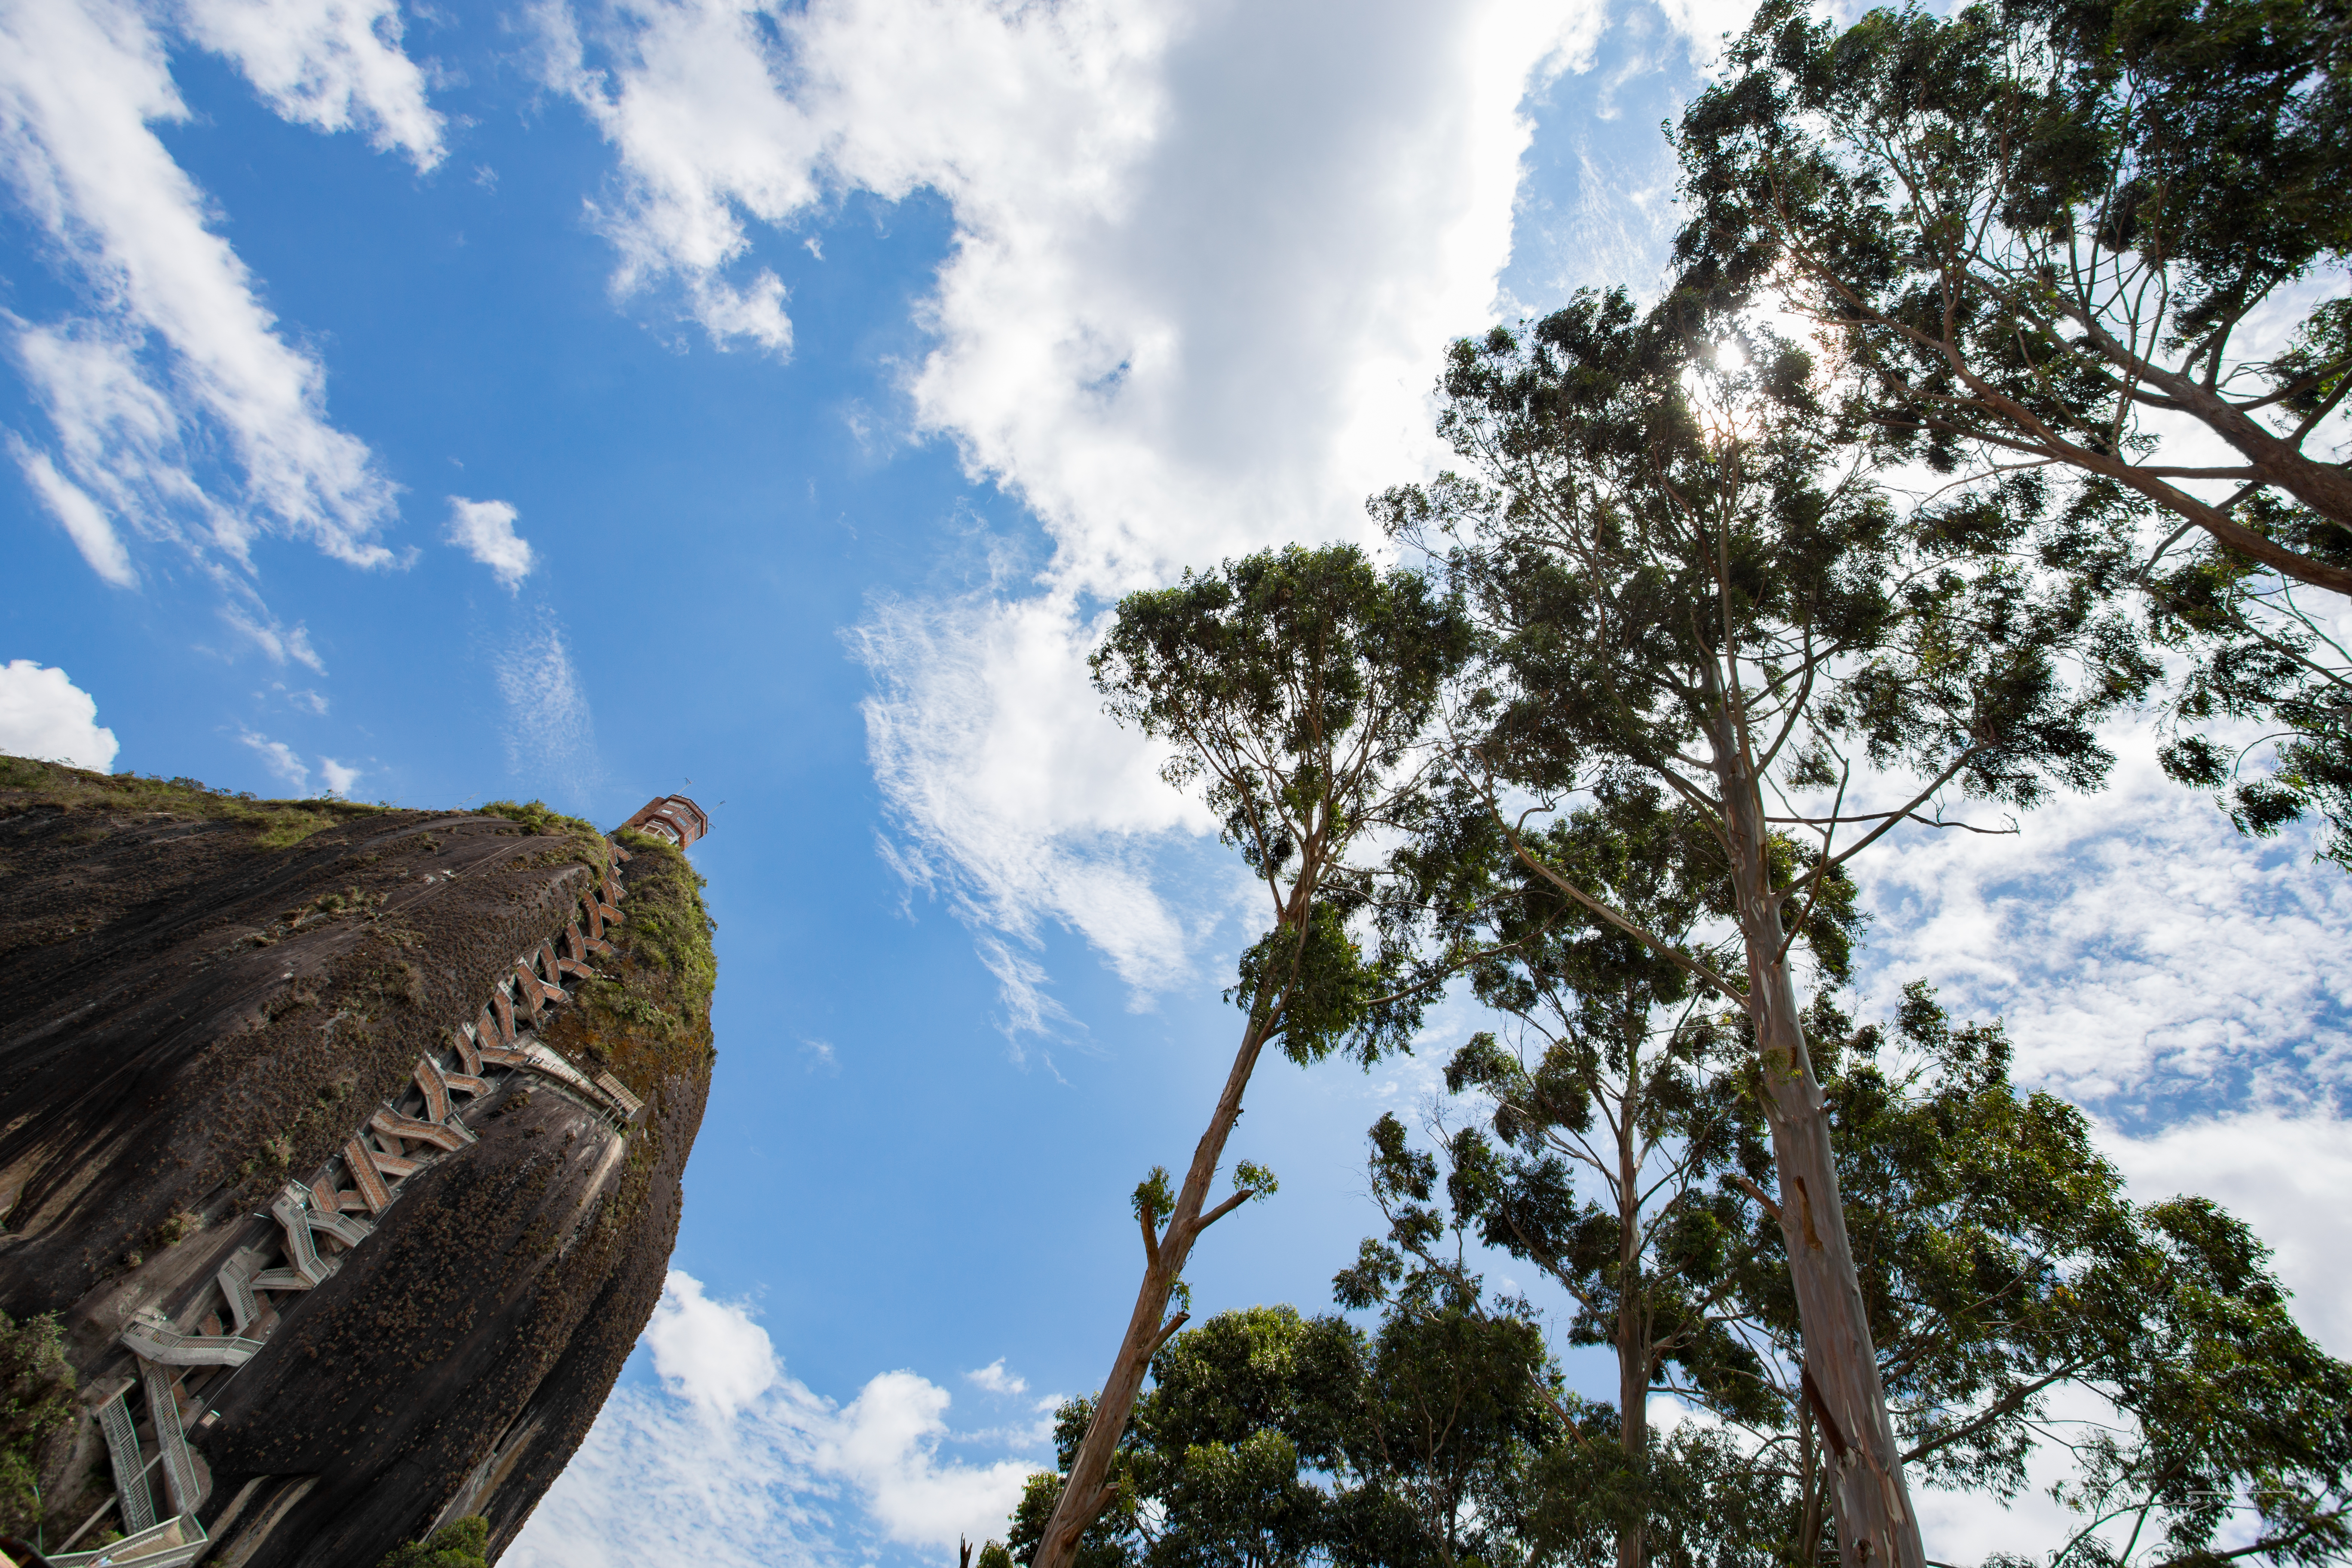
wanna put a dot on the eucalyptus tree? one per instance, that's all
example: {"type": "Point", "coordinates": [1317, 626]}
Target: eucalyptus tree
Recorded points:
{"type": "Point", "coordinates": [2019, 1303]}
{"type": "Point", "coordinates": [1296, 689]}
{"type": "Point", "coordinates": [1686, 577]}
{"type": "Point", "coordinates": [1618, 1093]}
{"type": "Point", "coordinates": [1459, 1405]}
{"type": "Point", "coordinates": [1268, 1439]}
{"type": "Point", "coordinates": [2096, 238]}
{"type": "Point", "coordinates": [1213, 1469]}
{"type": "Point", "coordinates": [2037, 224]}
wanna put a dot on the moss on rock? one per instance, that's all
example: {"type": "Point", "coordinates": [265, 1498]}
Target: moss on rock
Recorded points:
{"type": "Point", "coordinates": [281, 822]}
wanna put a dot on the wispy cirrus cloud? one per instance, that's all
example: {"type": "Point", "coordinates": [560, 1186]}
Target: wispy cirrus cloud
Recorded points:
{"type": "Point", "coordinates": [178, 412]}
{"type": "Point", "coordinates": [1004, 805]}
{"type": "Point", "coordinates": [281, 759]}
{"type": "Point", "coordinates": [84, 521]}
{"type": "Point", "coordinates": [550, 732]}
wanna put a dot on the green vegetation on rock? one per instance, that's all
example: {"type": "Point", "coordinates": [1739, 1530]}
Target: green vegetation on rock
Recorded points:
{"type": "Point", "coordinates": [668, 924]}
{"type": "Point", "coordinates": [282, 822]}
{"type": "Point", "coordinates": [581, 843]}
{"type": "Point", "coordinates": [460, 1543]}
{"type": "Point", "coordinates": [646, 1012]}
{"type": "Point", "coordinates": [36, 1404]}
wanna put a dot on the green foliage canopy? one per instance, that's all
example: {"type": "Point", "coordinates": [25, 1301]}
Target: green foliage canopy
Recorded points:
{"type": "Point", "coordinates": [1294, 689]}
{"type": "Point", "coordinates": [36, 1409]}
{"type": "Point", "coordinates": [2048, 237]}
{"type": "Point", "coordinates": [460, 1543]}
{"type": "Point", "coordinates": [2033, 224]}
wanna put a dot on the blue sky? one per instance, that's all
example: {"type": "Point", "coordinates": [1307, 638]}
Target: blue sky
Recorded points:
{"type": "Point", "coordinates": [443, 403]}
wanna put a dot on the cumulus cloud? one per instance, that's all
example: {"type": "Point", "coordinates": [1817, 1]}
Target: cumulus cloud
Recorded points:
{"type": "Point", "coordinates": [339, 778]}
{"type": "Point", "coordinates": [44, 714]}
{"type": "Point", "coordinates": [1204, 261]}
{"type": "Point", "coordinates": [2150, 964]}
{"type": "Point", "coordinates": [733, 1463]}
{"type": "Point", "coordinates": [996, 1380]}
{"type": "Point", "coordinates": [335, 65]}
{"type": "Point", "coordinates": [711, 1352]}
{"type": "Point", "coordinates": [485, 530]}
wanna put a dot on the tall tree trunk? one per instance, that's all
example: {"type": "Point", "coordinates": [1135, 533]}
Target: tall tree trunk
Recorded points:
{"type": "Point", "coordinates": [1086, 1493]}
{"type": "Point", "coordinates": [1876, 1525]}
{"type": "Point", "coordinates": [1632, 1331]}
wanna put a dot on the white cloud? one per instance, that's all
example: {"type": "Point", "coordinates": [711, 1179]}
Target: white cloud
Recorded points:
{"type": "Point", "coordinates": [756, 312]}
{"type": "Point", "coordinates": [339, 778]}
{"type": "Point", "coordinates": [43, 714]}
{"type": "Point", "coordinates": [281, 760]}
{"type": "Point", "coordinates": [549, 731]}
{"type": "Point", "coordinates": [251, 620]}
{"type": "Point", "coordinates": [2286, 1177]}
{"type": "Point", "coordinates": [84, 520]}
{"type": "Point", "coordinates": [711, 1352]}
{"type": "Point", "coordinates": [331, 64]}
{"type": "Point", "coordinates": [1205, 259]}
{"type": "Point", "coordinates": [1703, 23]}
{"type": "Point", "coordinates": [2150, 963]}
{"type": "Point", "coordinates": [485, 530]}
{"type": "Point", "coordinates": [734, 1464]}
{"type": "Point", "coordinates": [1005, 780]}
{"type": "Point", "coordinates": [180, 333]}
{"type": "Point", "coordinates": [996, 1380]}
{"type": "Point", "coordinates": [1020, 985]}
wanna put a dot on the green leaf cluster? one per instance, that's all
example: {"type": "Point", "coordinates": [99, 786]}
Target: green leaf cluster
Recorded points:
{"type": "Point", "coordinates": [2039, 233]}
{"type": "Point", "coordinates": [460, 1543]}
{"type": "Point", "coordinates": [37, 1411]}
{"type": "Point", "coordinates": [2008, 1280]}
{"type": "Point", "coordinates": [1294, 689]}
{"type": "Point", "coordinates": [1270, 1439]}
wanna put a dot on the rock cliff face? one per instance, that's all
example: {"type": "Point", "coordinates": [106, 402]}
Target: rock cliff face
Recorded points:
{"type": "Point", "coordinates": [344, 1142]}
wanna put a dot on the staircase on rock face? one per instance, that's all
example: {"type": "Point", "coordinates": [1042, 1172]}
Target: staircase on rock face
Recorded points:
{"type": "Point", "coordinates": [344, 1142]}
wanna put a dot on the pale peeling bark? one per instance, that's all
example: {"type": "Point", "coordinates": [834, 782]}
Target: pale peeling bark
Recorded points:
{"type": "Point", "coordinates": [1633, 1330]}
{"type": "Point", "coordinates": [1877, 1527]}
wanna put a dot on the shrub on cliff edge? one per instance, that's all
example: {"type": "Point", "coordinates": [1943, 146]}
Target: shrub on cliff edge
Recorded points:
{"type": "Point", "coordinates": [460, 1543]}
{"type": "Point", "coordinates": [35, 1403]}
